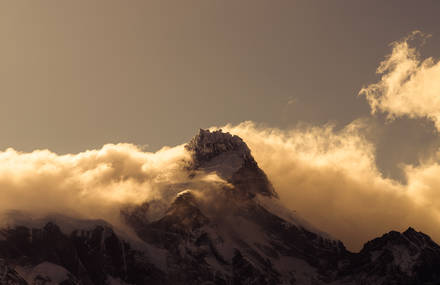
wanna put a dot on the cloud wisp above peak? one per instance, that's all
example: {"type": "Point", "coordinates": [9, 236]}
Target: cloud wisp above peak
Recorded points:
{"type": "Point", "coordinates": [409, 85]}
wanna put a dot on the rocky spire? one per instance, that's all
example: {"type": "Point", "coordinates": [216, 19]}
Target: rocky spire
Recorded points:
{"type": "Point", "coordinates": [230, 157]}
{"type": "Point", "coordinates": [206, 145]}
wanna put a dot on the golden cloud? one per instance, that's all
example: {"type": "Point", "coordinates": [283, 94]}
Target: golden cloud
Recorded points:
{"type": "Point", "coordinates": [331, 179]}
{"type": "Point", "coordinates": [91, 184]}
{"type": "Point", "coordinates": [409, 86]}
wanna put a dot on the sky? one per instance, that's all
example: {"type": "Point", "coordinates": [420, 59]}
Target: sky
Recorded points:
{"type": "Point", "coordinates": [76, 75]}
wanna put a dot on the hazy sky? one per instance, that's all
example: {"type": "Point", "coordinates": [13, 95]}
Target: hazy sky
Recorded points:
{"type": "Point", "coordinates": [75, 75]}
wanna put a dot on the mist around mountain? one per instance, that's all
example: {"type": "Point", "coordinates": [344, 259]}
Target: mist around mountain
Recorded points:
{"type": "Point", "coordinates": [220, 222]}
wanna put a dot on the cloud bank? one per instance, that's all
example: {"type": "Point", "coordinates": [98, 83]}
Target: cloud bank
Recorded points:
{"type": "Point", "coordinates": [330, 178]}
{"type": "Point", "coordinates": [409, 86]}
{"type": "Point", "coordinates": [94, 184]}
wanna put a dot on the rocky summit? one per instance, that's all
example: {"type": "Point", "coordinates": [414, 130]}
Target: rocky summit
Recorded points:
{"type": "Point", "coordinates": [229, 157]}
{"type": "Point", "coordinates": [234, 232]}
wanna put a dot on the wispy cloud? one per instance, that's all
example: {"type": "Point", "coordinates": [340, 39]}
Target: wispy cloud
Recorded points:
{"type": "Point", "coordinates": [409, 86]}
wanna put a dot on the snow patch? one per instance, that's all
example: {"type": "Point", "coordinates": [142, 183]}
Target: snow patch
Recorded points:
{"type": "Point", "coordinates": [48, 273]}
{"type": "Point", "coordinates": [274, 206]}
{"type": "Point", "coordinates": [225, 164]}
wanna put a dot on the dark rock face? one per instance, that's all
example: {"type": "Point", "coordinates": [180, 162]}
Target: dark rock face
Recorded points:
{"type": "Point", "coordinates": [206, 145]}
{"type": "Point", "coordinates": [231, 158]}
{"type": "Point", "coordinates": [245, 273]}
{"type": "Point", "coordinates": [90, 256]}
{"type": "Point", "coordinates": [410, 257]}
{"type": "Point", "coordinates": [231, 237]}
{"type": "Point", "coordinates": [9, 275]}
{"type": "Point", "coordinates": [195, 256]}
{"type": "Point", "coordinates": [198, 245]}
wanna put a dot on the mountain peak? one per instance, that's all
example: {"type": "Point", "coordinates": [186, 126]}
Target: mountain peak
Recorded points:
{"type": "Point", "coordinates": [206, 145]}
{"type": "Point", "coordinates": [230, 157]}
{"type": "Point", "coordinates": [408, 238]}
